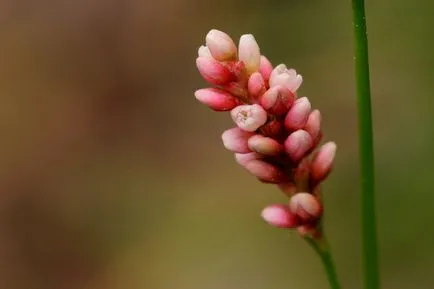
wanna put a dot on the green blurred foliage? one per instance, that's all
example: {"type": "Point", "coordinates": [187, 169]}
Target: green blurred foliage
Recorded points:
{"type": "Point", "coordinates": [113, 176]}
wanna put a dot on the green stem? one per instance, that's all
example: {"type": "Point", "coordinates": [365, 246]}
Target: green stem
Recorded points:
{"type": "Point", "coordinates": [369, 231]}
{"type": "Point", "coordinates": [321, 247]}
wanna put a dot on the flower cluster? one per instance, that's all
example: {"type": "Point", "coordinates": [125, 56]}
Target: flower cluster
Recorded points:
{"type": "Point", "coordinates": [276, 131]}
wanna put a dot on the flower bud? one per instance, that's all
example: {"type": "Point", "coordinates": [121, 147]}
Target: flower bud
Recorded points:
{"type": "Point", "coordinates": [277, 100]}
{"type": "Point", "coordinates": [256, 85]}
{"type": "Point", "coordinates": [297, 144]}
{"type": "Point", "coordinates": [235, 139]}
{"type": "Point", "coordinates": [264, 145]}
{"type": "Point", "coordinates": [249, 117]}
{"type": "Point", "coordinates": [203, 51]}
{"type": "Point", "coordinates": [216, 99]}
{"type": "Point", "coordinates": [298, 114]}
{"type": "Point", "coordinates": [286, 77]}
{"type": "Point", "coordinates": [249, 53]}
{"type": "Point", "coordinates": [265, 68]}
{"type": "Point", "coordinates": [322, 162]}
{"type": "Point", "coordinates": [306, 207]}
{"type": "Point", "coordinates": [265, 171]}
{"type": "Point", "coordinates": [313, 124]}
{"type": "Point", "coordinates": [221, 45]}
{"type": "Point", "coordinates": [279, 216]}
{"type": "Point", "coordinates": [243, 159]}
{"type": "Point", "coordinates": [213, 71]}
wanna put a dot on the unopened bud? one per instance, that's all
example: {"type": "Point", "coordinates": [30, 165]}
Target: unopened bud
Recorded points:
{"type": "Point", "coordinates": [249, 117]}
{"type": "Point", "coordinates": [279, 216]}
{"type": "Point", "coordinates": [235, 140]}
{"type": "Point", "coordinates": [221, 45]}
{"type": "Point", "coordinates": [213, 71]}
{"type": "Point", "coordinates": [322, 162]}
{"type": "Point", "coordinates": [243, 159]}
{"type": "Point", "coordinates": [313, 124]}
{"type": "Point", "coordinates": [265, 171]}
{"type": "Point", "coordinates": [265, 68]}
{"type": "Point", "coordinates": [203, 51]}
{"type": "Point", "coordinates": [256, 85]}
{"type": "Point", "coordinates": [286, 77]}
{"type": "Point", "coordinates": [249, 53]}
{"type": "Point", "coordinates": [264, 145]}
{"type": "Point", "coordinates": [216, 99]}
{"type": "Point", "coordinates": [277, 100]}
{"type": "Point", "coordinates": [298, 114]}
{"type": "Point", "coordinates": [306, 207]}
{"type": "Point", "coordinates": [298, 144]}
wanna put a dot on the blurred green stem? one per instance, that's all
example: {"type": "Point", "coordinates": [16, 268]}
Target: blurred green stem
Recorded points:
{"type": "Point", "coordinates": [369, 231]}
{"type": "Point", "coordinates": [322, 248]}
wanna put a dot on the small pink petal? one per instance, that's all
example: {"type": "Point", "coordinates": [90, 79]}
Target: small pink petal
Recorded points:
{"type": "Point", "coordinates": [216, 99]}
{"type": "Point", "coordinates": [203, 51]}
{"type": "Point", "coordinates": [306, 207]}
{"type": "Point", "coordinates": [249, 117]}
{"type": "Point", "coordinates": [277, 100]}
{"type": "Point", "coordinates": [213, 71]}
{"type": "Point", "coordinates": [298, 144]}
{"type": "Point", "coordinates": [256, 85]}
{"type": "Point", "coordinates": [313, 124]}
{"type": "Point", "coordinates": [236, 140]}
{"type": "Point", "coordinates": [322, 162]}
{"type": "Point", "coordinates": [243, 159]}
{"type": "Point", "coordinates": [265, 68]}
{"type": "Point", "coordinates": [279, 216]}
{"type": "Point", "coordinates": [286, 77]}
{"type": "Point", "coordinates": [298, 114]}
{"type": "Point", "coordinates": [264, 145]}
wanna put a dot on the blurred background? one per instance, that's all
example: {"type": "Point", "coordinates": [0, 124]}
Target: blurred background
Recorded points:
{"type": "Point", "coordinates": [113, 176]}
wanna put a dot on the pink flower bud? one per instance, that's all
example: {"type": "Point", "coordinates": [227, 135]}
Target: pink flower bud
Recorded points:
{"type": "Point", "coordinates": [264, 145]}
{"type": "Point", "coordinates": [279, 216]}
{"type": "Point", "coordinates": [265, 68]}
{"type": "Point", "coordinates": [306, 207]}
{"type": "Point", "coordinates": [203, 51]}
{"type": "Point", "coordinates": [221, 45]}
{"type": "Point", "coordinates": [249, 53]}
{"type": "Point", "coordinates": [235, 139]}
{"type": "Point", "coordinates": [286, 77]}
{"type": "Point", "coordinates": [313, 124]}
{"type": "Point", "coordinates": [249, 117]}
{"type": "Point", "coordinates": [216, 99]}
{"type": "Point", "coordinates": [243, 159]}
{"type": "Point", "coordinates": [265, 172]}
{"type": "Point", "coordinates": [322, 162]}
{"type": "Point", "coordinates": [298, 144]}
{"type": "Point", "coordinates": [256, 85]}
{"type": "Point", "coordinates": [277, 100]}
{"type": "Point", "coordinates": [298, 114]}
{"type": "Point", "coordinates": [213, 71]}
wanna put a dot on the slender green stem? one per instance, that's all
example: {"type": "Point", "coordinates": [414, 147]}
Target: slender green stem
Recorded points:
{"type": "Point", "coordinates": [321, 247]}
{"type": "Point", "coordinates": [369, 231]}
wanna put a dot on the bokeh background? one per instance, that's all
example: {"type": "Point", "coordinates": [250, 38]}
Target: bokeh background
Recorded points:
{"type": "Point", "coordinates": [112, 175]}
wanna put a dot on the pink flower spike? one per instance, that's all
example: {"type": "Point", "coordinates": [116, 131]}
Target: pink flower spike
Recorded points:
{"type": "Point", "coordinates": [243, 159]}
{"type": "Point", "coordinates": [213, 71]}
{"type": "Point", "coordinates": [279, 216]}
{"type": "Point", "coordinates": [264, 145]}
{"type": "Point", "coordinates": [322, 162]}
{"type": "Point", "coordinates": [249, 53]}
{"type": "Point", "coordinates": [298, 114]}
{"type": "Point", "coordinates": [256, 85]}
{"type": "Point", "coordinates": [221, 45]}
{"type": "Point", "coordinates": [306, 207]}
{"type": "Point", "coordinates": [216, 99]}
{"type": "Point", "coordinates": [277, 100]}
{"type": "Point", "coordinates": [249, 117]}
{"type": "Point", "coordinates": [265, 68]}
{"type": "Point", "coordinates": [286, 77]}
{"type": "Point", "coordinates": [265, 171]}
{"type": "Point", "coordinates": [203, 51]}
{"type": "Point", "coordinates": [235, 140]}
{"type": "Point", "coordinates": [313, 124]}
{"type": "Point", "coordinates": [298, 144]}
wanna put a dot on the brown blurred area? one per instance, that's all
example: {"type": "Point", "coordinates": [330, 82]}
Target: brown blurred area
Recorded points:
{"type": "Point", "coordinates": [113, 176]}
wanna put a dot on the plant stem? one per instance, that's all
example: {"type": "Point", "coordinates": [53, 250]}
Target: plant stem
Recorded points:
{"type": "Point", "coordinates": [369, 231]}
{"type": "Point", "coordinates": [321, 247]}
